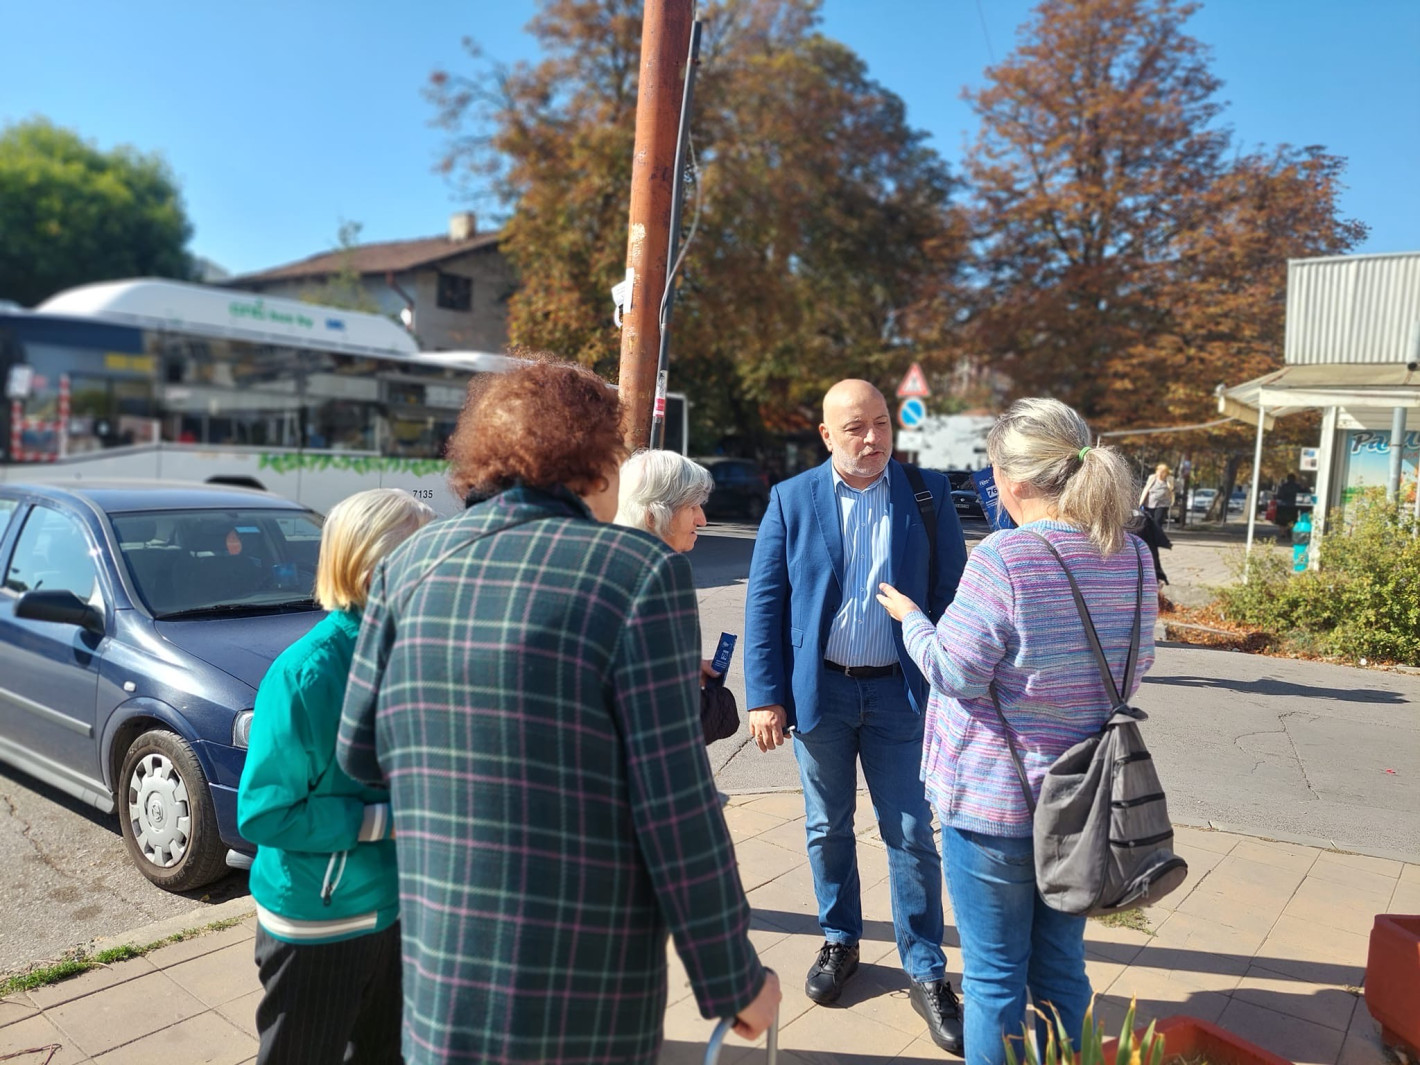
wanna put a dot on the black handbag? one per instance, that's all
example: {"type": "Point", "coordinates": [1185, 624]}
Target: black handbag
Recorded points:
{"type": "Point", "coordinates": [719, 713]}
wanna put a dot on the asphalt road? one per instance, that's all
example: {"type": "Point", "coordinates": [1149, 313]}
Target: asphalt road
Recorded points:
{"type": "Point", "coordinates": [66, 878]}
{"type": "Point", "coordinates": [1264, 746]}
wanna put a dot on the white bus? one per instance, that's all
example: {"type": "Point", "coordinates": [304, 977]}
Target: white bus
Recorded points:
{"type": "Point", "coordinates": [171, 381]}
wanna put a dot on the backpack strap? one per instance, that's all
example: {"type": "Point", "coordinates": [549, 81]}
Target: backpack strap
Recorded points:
{"type": "Point", "coordinates": [923, 495]}
{"type": "Point", "coordinates": [1103, 665]}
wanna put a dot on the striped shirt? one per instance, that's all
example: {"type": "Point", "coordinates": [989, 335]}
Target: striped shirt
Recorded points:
{"type": "Point", "coordinates": [1014, 621]}
{"type": "Point", "coordinates": [861, 632]}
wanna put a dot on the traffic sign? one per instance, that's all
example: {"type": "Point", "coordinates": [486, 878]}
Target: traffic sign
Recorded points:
{"type": "Point", "coordinates": [914, 383]}
{"type": "Point", "coordinates": [913, 441]}
{"type": "Point", "coordinates": [912, 413]}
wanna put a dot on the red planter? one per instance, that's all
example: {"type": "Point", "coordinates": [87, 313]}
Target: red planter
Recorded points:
{"type": "Point", "coordinates": [1393, 979]}
{"type": "Point", "coordinates": [1190, 1038]}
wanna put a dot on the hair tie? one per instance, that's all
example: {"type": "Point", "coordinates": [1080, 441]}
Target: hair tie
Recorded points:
{"type": "Point", "coordinates": [1085, 451]}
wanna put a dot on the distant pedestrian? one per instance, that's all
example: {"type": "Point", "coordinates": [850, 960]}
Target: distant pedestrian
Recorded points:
{"type": "Point", "coordinates": [1287, 493]}
{"type": "Point", "coordinates": [324, 877]}
{"type": "Point", "coordinates": [1157, 495]}
{"type": "Point", "coordinates": [527, 682]}
{"type": "Point", "coordinates": [1013, 633]}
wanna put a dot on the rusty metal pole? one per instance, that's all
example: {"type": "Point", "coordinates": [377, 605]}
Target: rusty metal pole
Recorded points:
{"type": "Point", "coordinates": [665, 43]}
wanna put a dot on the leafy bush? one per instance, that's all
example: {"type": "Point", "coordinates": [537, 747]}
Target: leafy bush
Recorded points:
{"type": "Point", "coordinates": [1363, 601]}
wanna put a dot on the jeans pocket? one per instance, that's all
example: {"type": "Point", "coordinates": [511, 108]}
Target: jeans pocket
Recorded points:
{"type": "Point", "coordinates": [1018, 853]}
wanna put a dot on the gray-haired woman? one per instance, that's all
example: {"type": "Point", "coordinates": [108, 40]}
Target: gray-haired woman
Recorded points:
{"type": "Point", "coordinates": [664, 493]}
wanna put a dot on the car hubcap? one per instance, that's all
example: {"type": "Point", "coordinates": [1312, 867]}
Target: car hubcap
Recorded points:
{"type": "Point", "coordinates": [159, 811]}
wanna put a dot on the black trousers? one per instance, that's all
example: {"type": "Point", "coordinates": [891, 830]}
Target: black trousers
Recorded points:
{"type": "Point", "coordinates": [330, 1003]}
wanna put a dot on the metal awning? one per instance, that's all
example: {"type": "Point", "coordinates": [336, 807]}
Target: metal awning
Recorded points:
{"type": "Point", "coordinates": [1357, 386]}
{"type": "Point", "coordinates": [1296, 388]}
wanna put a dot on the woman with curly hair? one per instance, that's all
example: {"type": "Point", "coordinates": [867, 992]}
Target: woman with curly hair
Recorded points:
{"type": "Point", "coordinates": [526, 682]}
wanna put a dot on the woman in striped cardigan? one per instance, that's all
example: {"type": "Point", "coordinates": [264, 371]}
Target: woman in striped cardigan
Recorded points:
{"type": "Point", "coordinates": [1013, 625]}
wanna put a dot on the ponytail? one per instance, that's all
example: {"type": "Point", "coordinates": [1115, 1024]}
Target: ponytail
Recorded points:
{"type": "Point", "coordinates": [1046, 444]}
{"type": "Point", "coordinates": [1098, 498]}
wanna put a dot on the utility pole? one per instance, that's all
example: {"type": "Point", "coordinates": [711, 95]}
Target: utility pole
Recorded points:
{"type": "Point", "coordinates": [665, 44]}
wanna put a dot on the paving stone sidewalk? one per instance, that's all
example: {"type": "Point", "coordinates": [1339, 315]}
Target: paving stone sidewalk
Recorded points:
{"type": "Point", "coordinates": [1266, 939]}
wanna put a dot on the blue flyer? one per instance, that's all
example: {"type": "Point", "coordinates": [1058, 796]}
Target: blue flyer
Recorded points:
{"type": "Point", "coordinates": [991, 500]}
{"type": "Point", "coordinates": [723, 653]}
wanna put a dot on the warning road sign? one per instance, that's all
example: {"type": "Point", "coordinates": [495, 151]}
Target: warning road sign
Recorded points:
{"type": "Point", "coordinates": [914, 383]}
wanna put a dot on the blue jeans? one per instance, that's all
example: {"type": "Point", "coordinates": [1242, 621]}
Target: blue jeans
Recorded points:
{"type": "Point", "coordinates": [1010, 941]}
{"type": "Point", "coordinates": [872, 720]}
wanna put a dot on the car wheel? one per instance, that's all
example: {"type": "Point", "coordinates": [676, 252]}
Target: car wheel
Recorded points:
{"type": "Point", "coordinates": [754, 508]}
{"type": "Point", "coordinates": [166, 812]}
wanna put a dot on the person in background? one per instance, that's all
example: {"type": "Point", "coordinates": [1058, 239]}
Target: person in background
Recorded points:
{"type": "Point", "coordinates": [324, 876]}
{"type": "Point", "coordinates": [1287, 493]}
{"type": "Point", "coordinates": [527, 682]}
{"type": "Point", "coordinates": [823, 659]}
{"type": "Point", "coordinates": [1157, 495]}
{"type": "Point", "coordinates": [1155, 500]}
{"type": "Point", "coordinates": [1013, 627]}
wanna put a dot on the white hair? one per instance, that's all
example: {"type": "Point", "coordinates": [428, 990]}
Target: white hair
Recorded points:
{"type": "Point", "coordinates": [656, 484]}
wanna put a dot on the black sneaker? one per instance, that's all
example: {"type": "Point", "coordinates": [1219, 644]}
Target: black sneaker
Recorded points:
{"type": "Point", "coordinates": [827, 975]}
{"type": "Point", "coordinates": [937, 1004]}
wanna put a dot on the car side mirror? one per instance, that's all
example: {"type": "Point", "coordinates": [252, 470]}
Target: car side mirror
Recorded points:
{"type": "Point", "coordinates": [61, 606]}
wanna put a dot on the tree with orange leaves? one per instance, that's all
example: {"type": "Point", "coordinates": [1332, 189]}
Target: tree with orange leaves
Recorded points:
{"type": "Point", "coordinates": [819, 218]}
{"type": "Point", "coordinates": [1127, 260]}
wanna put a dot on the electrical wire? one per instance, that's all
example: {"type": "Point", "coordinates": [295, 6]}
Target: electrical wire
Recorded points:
{"type": "Point", "coordinates": [689, 236]}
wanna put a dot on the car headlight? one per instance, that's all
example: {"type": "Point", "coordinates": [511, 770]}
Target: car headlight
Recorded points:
{"type": "Point", "coordinates": [241, 729]}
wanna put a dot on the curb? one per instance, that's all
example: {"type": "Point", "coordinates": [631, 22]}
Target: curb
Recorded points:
{"type": "Point", "coordinates": [1294, 839]}
{"type": "Point", "coordinates": [197, 919]}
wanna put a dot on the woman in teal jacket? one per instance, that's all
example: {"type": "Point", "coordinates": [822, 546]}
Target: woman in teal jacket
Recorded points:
{"type": "Point", "coordinates": [324, 878]}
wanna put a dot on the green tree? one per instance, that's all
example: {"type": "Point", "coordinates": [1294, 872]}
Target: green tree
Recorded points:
{"type": "Point", "coordinates": [1128, 257]}
{"type": "Point", "coordinates": [820, 218]}
{"type": "Point", "coordinates": [71, 214]}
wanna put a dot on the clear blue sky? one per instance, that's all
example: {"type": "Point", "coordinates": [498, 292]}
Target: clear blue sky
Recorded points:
{"type": "Point", "coordinates": [281, 119]}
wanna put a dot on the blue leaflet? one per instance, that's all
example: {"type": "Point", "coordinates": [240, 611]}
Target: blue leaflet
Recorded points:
{"type": "Point", "coordinates": [991, 500]}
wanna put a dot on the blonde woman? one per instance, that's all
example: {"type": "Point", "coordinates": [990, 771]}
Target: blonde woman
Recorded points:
{"type": "Point", "coordinates": [1013, 633]}
{"type": "Point", "coordinates": [1157, 495]}
{"type": "Point", "coordinates": [324, 878]}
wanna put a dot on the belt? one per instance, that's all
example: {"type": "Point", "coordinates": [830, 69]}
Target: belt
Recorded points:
{"type": "Point", "coordinates": [863, 672]}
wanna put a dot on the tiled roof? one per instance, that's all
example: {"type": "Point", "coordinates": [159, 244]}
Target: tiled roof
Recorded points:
{"type": "Point", "coordinates": [380, 258]}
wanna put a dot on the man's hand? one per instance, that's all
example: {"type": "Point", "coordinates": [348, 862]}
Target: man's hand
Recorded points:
{"type": "Point", "coordinates": [766, 724]}
{"type": "Point", "coordinates": [751, 1021]}
{"type": "Point", "coordinates": [894, 602]}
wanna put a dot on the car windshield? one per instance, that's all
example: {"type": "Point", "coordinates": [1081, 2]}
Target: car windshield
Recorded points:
{"type": "Point", "coordinates": [193, 562]}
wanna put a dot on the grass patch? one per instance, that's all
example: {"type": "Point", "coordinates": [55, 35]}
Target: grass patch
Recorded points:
{"type": "Point", "coordinates": [81, 961]}
{"type": "Point", "coordinates": [1131, 919]}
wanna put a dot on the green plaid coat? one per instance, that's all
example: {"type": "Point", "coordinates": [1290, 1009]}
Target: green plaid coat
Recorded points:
{"type": "Point", "coordinates": [526, 685]}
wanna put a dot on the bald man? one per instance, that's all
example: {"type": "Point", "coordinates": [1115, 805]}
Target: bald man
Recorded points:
{"type": "Point", "coordinates": [825, 666]}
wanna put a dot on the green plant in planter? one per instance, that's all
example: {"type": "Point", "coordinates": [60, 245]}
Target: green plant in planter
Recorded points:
{"type": "Point", "coordinates": [1060, 1050]}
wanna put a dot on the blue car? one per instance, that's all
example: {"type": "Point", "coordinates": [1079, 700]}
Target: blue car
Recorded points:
{"type": "Point", "coordinates": [136, 621]}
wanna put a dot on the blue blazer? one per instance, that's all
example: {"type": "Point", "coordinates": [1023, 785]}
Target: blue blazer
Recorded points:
{"type": "Point", "coordinates": [796, 585]}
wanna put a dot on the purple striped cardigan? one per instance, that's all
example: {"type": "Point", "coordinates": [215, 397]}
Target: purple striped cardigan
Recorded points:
{"type": "Point", "coordinates": [1014, 621]}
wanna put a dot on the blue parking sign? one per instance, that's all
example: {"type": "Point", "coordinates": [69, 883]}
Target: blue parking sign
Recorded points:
{"type": "Point", "coordinates": [912, 413]}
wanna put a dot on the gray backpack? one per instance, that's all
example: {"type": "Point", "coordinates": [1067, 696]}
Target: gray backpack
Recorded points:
{"type": "Point", "coordinates": [1103, 842]}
